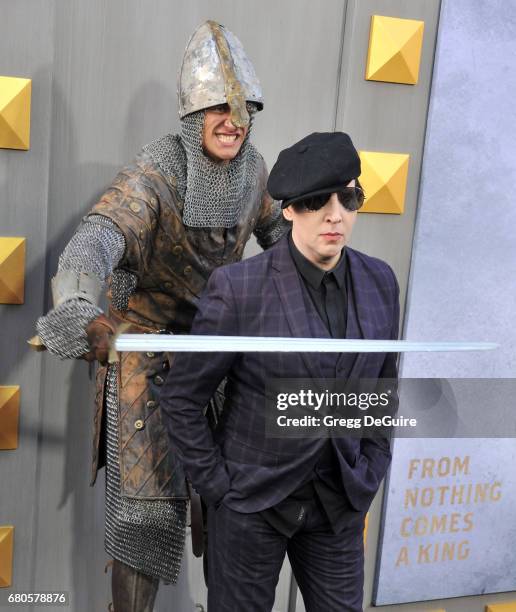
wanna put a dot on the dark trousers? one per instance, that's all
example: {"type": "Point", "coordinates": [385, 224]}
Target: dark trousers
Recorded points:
{"type": "Point", "coordinates": [245, 555]}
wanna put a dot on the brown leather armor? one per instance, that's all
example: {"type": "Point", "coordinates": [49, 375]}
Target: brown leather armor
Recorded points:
{"type": "Point", "coordinates": [172, 263]}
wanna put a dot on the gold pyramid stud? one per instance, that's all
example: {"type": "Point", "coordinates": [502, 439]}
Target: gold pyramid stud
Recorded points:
{"type": "Point", "coordinates": [12, 270]}
{"type": "Point", "coordinates": [394, 50]}
{"type": "Point", "coordinates": [6, 555]}
{"type": "Point", "coordinates": [15, 95]}
{"type": "Point", "coordinates": [384, 179]}
{"type": "Point", "coordinates": [9, 417]}
{"type": "Point", "coordinates": [507, 606]}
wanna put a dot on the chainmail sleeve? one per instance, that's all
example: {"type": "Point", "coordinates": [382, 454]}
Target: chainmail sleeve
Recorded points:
{"type": "Point", "coordinates": [96, 248]}
{"type": "Point", "coordinates": [271, 225]}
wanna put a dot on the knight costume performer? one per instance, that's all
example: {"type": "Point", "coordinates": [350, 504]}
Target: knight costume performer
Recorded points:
{"type": "Point", "coordinates": [166, 222]}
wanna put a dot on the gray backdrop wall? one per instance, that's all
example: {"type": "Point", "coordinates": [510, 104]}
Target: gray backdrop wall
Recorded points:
{"type": "Point", "coordinates": [104, 84]}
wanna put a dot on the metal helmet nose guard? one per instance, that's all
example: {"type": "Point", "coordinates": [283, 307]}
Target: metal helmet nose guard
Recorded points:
{"type": "Point", "coordinates": [216, 70]}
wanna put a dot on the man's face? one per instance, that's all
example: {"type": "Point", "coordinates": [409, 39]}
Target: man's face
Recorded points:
{"type": "Point", "coordinates": [221, 140]}
{"type": "Point", "coordinates": [321, 235]}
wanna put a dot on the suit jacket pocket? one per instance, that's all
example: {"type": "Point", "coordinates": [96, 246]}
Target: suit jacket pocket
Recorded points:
{"type": "Point", "coordinates": [238, 452]}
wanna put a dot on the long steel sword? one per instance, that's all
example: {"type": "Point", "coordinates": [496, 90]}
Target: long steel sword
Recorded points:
{"type": "Point", "coordinates": [258, 344]}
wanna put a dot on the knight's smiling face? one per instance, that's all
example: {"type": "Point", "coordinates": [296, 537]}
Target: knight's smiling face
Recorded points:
{"type": "Point", "coordinates": [221, 140]}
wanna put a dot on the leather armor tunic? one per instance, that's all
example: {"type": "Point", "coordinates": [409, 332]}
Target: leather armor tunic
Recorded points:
{"type": "Point", "coordinates": [172, 263]}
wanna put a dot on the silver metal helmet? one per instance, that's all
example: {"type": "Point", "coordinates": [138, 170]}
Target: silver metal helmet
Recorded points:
{"type": "Point", "coordinates": [216, 70]}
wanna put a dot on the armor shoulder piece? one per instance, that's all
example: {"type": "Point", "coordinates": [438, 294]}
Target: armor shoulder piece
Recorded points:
{"type": "Point", "coordinates": [133, 202]}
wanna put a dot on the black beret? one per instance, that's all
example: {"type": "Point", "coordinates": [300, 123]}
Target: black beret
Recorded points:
{"type": "Point", "coordinates": [322, 162]}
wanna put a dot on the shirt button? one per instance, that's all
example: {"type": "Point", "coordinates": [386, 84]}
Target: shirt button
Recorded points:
{"type": "Point", "coordinates": [187, 271]}
{"type": "Point", "coordinates": [151, 404]}
{"type": "Point", "coordinates": [158, 380]}
{"type": "Point", "coordinates": [177, 250]}
{"type": "Point", "coordinates": [139, 424]}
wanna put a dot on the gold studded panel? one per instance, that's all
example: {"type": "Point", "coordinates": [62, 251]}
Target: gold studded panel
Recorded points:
{"type": "Point", "coordinates": [9, 417]}
{"type": "Point", "coordinates": [508, 606]}
{"type": "Point", "coordinates": [394, 50]}
{"type": "Point", "coordinates": [384, 179]}
{"type": "Point", "coordinates": [6, 555]}
{"type": "Point", "coordinates": [15, 95]}
{"type": "Point", "coordinates": [12, 270]}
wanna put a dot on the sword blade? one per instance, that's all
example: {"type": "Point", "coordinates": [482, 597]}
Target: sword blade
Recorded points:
{"type": "Point", "coordinates": [156, 343]}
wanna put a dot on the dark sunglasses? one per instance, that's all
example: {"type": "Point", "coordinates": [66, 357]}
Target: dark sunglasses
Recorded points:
{"type": "Point", "coordinates": [351, 198]}
{"type": "Point", "coordinates": [224, 108]}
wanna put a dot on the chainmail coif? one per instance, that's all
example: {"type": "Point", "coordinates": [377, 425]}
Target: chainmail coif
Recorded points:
{"type": "Point", "coordinates": [213, 192]}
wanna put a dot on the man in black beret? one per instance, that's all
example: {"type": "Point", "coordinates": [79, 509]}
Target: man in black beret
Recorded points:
{"type": "Point", "coordinates": [305, 497]}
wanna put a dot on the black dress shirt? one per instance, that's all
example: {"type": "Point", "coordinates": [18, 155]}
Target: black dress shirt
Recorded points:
{"type": "Point", "coordinates": [326, 288]}
{"type": "Point", "coordinates": [328, 292]}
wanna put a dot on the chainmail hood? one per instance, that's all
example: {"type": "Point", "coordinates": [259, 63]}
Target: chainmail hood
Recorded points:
{"type": "Point", "coordinates": [212, 192]}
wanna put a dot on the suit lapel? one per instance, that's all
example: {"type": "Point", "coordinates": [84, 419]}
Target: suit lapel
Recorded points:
{"type": "Point", "coordinates": [288, 285]}
{"type": "Point", "coordinates": [360, 284]}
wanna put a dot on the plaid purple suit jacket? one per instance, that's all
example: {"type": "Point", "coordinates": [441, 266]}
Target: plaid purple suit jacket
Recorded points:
{"type": "Point", "coordinates": [262, 296]}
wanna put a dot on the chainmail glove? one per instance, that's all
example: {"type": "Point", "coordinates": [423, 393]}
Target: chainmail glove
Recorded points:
{"type": "Point", "coordinates": [63, 329]}
{"type": "Point", "coordinates": [96, 247]}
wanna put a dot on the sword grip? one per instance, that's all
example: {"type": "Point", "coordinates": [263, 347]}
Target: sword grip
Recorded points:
{"type": "Point", "coordinates": [36, 344]}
